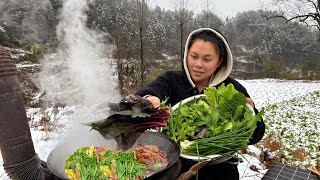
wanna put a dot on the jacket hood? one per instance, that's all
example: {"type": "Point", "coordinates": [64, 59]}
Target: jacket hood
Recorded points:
{"type": "Point", "coordinates": [224, 70]}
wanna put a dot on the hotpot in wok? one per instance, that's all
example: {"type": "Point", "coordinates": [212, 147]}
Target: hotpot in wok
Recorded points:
{"type": "Point", "coordinates": [84, 137]}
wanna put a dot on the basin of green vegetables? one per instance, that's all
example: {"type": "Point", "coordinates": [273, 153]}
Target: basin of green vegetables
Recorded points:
{"type": "Point", "coordinates": [216, 123]}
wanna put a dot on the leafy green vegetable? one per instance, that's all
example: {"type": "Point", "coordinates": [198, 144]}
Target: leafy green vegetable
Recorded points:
{"type": "Point", "coordinates": [232, 140]}
{"type": "Point", "coordinates": [221, 113]}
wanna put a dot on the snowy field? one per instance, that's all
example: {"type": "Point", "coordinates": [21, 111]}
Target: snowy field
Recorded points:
{"type": "Point", "coordinates": [292, 111]}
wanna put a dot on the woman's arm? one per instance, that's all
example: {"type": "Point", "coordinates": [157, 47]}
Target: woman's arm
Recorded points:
{"type": "Point", "coordinates": [158, 87]}
{"type": "Point", "coordinates": [157, 90]}
{"type": "Point", "coordinates": [259, 131]}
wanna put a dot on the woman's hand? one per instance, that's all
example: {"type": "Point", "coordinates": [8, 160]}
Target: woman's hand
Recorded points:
{"type": "Point", "coordinates": [249, 100]}
{"type": "Point", "coordinates": [154, 100]}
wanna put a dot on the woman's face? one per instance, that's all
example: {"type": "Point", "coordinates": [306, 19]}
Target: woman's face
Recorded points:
{"type": "Point", "coordinates": [202, 61]}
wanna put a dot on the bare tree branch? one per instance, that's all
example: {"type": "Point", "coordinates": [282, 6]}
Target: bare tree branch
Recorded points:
{"type": "Point", "coordinates": [299, 13]}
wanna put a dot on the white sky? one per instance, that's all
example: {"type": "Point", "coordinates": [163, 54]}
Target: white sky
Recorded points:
{"type": "Point", "coordinates": [223, 8]}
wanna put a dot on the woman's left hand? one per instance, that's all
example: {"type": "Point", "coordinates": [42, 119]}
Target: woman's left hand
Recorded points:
{"type": "Point", "coordinates": [249, 100]}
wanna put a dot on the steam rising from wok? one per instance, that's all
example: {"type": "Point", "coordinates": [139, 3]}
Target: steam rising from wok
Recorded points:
{"type": "Point", "coordinates": [80, 71]}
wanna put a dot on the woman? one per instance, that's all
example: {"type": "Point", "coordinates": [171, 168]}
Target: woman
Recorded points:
{"type": "Point", "coordinates": [207, 63]}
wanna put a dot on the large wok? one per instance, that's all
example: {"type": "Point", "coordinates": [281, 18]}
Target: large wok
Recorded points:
{"type": "Point", "coordinates": [84, 137]}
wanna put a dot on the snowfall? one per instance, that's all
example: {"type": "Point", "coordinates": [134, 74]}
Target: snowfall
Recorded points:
{"type": "Point", "coordinates": [290, 106]}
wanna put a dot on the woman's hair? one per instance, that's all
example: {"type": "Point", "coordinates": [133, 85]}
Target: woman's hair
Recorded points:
{"type": "Point", "coordinates": [207, 35]}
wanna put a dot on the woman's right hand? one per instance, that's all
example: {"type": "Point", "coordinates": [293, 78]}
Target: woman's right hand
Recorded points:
{"type": "Point", "coordinates": [154, 100]}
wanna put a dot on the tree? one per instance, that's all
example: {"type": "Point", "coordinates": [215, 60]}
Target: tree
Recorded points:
{"type": "Point", "coordinates": [206, 18]}
{"type": "Point", "coordinates": [32, 21]}
{"type": "Point", "coordinates": [156, 34]}
{"type": "Point", "coordinates": [207, 7]}
{"type": "Point", "coordinates": [141, 5]}
{"type": "Point", "coordinates": [183, 15]}
{"type": "Point", "coordinates": [214, 21]}
{"type": "Point", "coordinates": [301, 11]}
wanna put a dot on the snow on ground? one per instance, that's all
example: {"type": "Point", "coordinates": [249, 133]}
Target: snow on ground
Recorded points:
{"type": "Point", "coordinates": [289, 105]}
{"type": "Point", "coordinates": [245, 172]}
{"type": "Point", "coordinates": [271, 91]}
{"type": "Point", "coordinates": [295, 126]}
